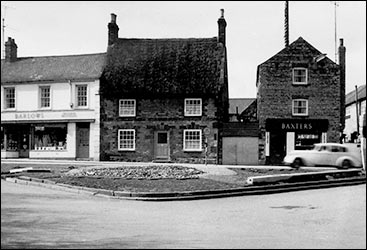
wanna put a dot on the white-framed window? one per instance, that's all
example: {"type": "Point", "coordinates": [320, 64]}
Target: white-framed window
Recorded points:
{"type": "Point", "coordinates": [9, 93]}
{"type": "Point", "coordinates": [45, 96]}
{"type": "Point", "coordinates": [192, 140]}
{"type": "Point", "coordinates": [127, 107]}
{"type": "Point", "coordinates": [299, 76]}
{"type": "Point", "coordinates": [82, 95]}
{"type": "Point", "coordinates": [193, 107]}
{"type": "Point", "coordinates": [126, 139]}
{"type": "Point", "coordinates": [300, 107]}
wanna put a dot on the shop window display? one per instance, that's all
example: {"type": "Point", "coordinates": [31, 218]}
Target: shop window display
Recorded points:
{"type": "Point", "coordinates": [306, 141]}
{"type": "Point", "coordinates": [50, 137]}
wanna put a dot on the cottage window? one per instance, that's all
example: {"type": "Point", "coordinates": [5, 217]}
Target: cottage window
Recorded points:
{"type": "Point", "coordinates": [127, 107]}
{"type": "Point", "coordinates": [82, 95]}
{"type": "Point", "coordinates": [300, 107]}
{"type": "Point", "coordinates": [193, 107]}
{"type": "Point", "coordinates": [9, 98]}
{"type": "Point", "coordinates": [192, 140]}
{"type": "Point", "coordinates": [126, 139]}
{"type": "Point", "coordinates": [45, 96]}
{"type": "Point", "coordinates": [300, 76]}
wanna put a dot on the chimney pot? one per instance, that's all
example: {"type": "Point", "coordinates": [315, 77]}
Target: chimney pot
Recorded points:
{"type": "Point", "coordinates": [341, 42]}
{"type": "Point", "coordinates": [222, 13]}
{"type": "Point", "coordinates": [113, 18]}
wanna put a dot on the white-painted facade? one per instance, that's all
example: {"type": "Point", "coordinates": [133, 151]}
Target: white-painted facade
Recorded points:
{"type": "Point", "coordinates": [351, 118]}
{"type": "Point", "coordinates": [23, 125]}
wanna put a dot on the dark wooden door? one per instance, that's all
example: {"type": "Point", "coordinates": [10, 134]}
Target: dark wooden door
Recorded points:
{"type": "Point", "coordinates": [82, 140]}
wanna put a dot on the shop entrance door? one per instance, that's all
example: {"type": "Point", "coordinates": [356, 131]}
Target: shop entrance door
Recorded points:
{"type": "Point", "coordinates": [277, 147]}
{"type": "Point", "coordinates": [82, 140]}
{"type": "Point", "coordinates": [161, 146]}
{"type": "Point", "coordinates": [23, 145]}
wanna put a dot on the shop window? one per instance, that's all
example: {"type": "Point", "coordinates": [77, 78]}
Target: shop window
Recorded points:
{"type": "Point", "coordinates": [193, 107]}
{"type": "Point", "coordinates": [12, 135]}
{"type": "Point", "coordinates": [50, 137]}
{"type": "Point", "coordinates": [126, 139]}
{"type": "Point", "coordinates": [300, 107]}
{"type": "Point", "coordinates": [306, 141]}
{"type": "Point", "coordinates": [300, 76]}
{"type": "Point", "coordinates": [2, 139]}
{"type": "Point", "coordinates": [9, 98]}
{"type": "Point", "coordinates": [45, 96]}
{"type": "Point", "coordinates": [192, 140]}
{"type": "Point", "coordinates": [82, 95]}
{"type": "Point", "coordinates": [127, 107]}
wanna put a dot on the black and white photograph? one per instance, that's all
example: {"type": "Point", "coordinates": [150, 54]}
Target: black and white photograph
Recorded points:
{"type": "Point", "coordinates": [183, 124]}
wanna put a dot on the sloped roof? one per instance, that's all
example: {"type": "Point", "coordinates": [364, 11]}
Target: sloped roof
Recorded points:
{"type": "Point", "coordinates": [303, 47]}
{"type": "Point", "coordinates": [165, 66]}
{"type": "Point", "coordinates": [351, 96]}
{"type": "Point", "coordinates": [298, 51]}
{"type": "Point", "coordinates": [240, 103]}
{"type": "Point", "coordinates": [53, 68]}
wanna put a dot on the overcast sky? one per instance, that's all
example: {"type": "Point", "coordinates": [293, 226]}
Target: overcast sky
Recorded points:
{"type": "Point", "coordinates": [255, 30]}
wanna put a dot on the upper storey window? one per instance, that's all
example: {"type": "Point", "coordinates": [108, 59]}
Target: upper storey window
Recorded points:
{"type": "Point", "coordinates": [82, 95]}
{"type": "Point", "coordinates": [45, 96]}
{"type": "Point", "coordinates": [127, 107]}
{"type": "Point", "coordinates": [193, 107]}
{"type": "Point", "coordinates": [9, 98]}
{"type": "Point", "coordinates": [300, 76]}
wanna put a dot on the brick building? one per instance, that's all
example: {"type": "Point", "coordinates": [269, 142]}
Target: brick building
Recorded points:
{"type": "Point", "coordinates": [300, 100]}
{"type": "Point", "coordinates": [164, 99]}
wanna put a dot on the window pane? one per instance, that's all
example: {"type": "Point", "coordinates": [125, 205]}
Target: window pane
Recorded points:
{"type": "Point", "coordinates": [192, 140]}
{"type": "Point", "coordinates": [45, 97]}
{"type": "Point", "coordinates": [82, 95]}
{"type": "Point", "coordinates": [192, 106]}
{"type": "Point", "coordinates": [9, 98]}
{"type": "Point", "coordinates": [127, 139]}
{"type": "Point", "coordinates": [127, 107]}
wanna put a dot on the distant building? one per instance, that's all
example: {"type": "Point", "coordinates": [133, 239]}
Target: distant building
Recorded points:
{"type": "Point", "coordinates": [300, 100]}
{"type": "Point", "coordinates": [242, 109]}
{"type": "Point", "coordinates": [50, 105]}
{"type": "Point", "coordinates": [164, 99]}
{"type": "Point", "coordinates": [355, 102]}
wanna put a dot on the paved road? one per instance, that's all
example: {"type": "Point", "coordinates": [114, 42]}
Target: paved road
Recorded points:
{"type": "Point", "coordinates": [35, 217]}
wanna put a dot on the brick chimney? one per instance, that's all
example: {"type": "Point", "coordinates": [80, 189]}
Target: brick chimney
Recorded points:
{"type": "Point", "coordinates": [11, 50]}
{"type": "Point", "coordinates": [113, 30]}
{"type": "Point", "coordinates": [342, 83]}
{"type": "Point", "coordinates": [222, 24]}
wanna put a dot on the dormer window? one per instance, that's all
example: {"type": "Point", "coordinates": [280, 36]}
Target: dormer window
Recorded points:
{"type": "Point", "coordinates": [299, 76]}
{"type": "Point", "coordinates": [193, 107]}
{"type": "Point", "coordinates": [127, 107]}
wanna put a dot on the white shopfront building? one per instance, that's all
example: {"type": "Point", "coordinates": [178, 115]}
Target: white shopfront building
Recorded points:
{"type": "Point", "coordinates": [51, 112]}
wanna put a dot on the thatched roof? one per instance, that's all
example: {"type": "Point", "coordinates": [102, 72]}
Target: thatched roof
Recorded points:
{"type": "Point", "coordinates": [168, 67]}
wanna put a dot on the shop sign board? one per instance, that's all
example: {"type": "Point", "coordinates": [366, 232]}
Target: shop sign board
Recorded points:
{"type": "Point", "coordinates": [296, 125]}
{"type": "Point", "coordinates": [47, 115]}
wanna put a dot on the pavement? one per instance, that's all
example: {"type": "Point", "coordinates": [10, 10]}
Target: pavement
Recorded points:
{"type": "Point", "coordinates": [324, 177]}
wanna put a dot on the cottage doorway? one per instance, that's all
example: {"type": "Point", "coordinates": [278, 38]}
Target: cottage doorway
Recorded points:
{"type": "Point", "coordinates": [82, 141]}
{"type": "Point", "coordinates": [161, 145]}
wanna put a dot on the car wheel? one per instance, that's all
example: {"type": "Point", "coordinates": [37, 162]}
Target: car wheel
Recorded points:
{"type": "Point", "coordinates": [346, 164]}
{"type": "Point", "coordinates": [297, 163]}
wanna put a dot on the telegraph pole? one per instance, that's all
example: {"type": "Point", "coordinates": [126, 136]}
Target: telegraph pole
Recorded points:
{"type": "Point", "coordinates": [336, 4]}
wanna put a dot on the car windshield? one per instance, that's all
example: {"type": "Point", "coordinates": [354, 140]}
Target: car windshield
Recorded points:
{"type": "Point", "coordinates": [316, 148]}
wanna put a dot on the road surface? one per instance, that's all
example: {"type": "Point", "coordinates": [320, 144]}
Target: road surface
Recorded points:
{"type": "Point", "coordinates": [36, 217]}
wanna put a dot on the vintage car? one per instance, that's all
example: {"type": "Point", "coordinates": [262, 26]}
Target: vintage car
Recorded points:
{"type": "Point", "coordinates": [326, 154]}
